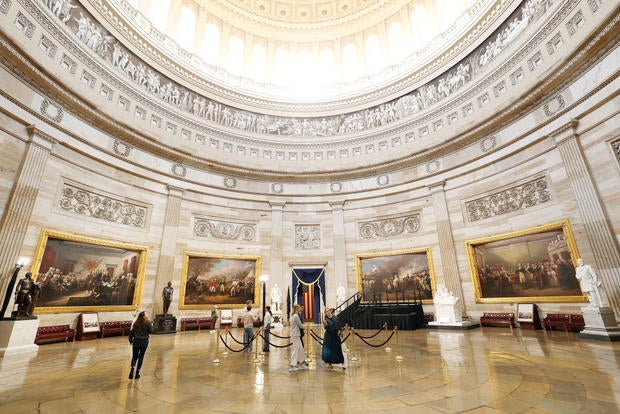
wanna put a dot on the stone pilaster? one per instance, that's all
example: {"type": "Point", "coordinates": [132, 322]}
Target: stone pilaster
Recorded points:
{"type": "Point", "coordinates": [447, 251]}
{"type": "Point", "coordinates": [19, 207]}
{"type": "Point", "coordinates": [167, 253]}
{"type": "Point", "coordinates": [276, 256]}
{"type": "Point", "coordinates": [595, 221]}
{"type": "Point", "coordinates": [340, 263]}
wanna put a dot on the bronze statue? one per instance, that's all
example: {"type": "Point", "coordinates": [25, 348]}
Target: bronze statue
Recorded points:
{"type": "Point", "coordinates": [167, 296]}
{"type": "Point", "coordinates": [26, 294]}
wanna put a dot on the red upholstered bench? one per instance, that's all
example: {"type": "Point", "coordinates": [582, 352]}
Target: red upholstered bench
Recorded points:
{"type": "Point", "coordinates": [114, 327]}
{"type": "Point", "coordinates": [197, 323]}
{"type": "Point", "coordinates": [45, 333]}
{"type": "Point", "coordinates": [498, 318]}
{"type": "Point", "coordinates": [570, 322]}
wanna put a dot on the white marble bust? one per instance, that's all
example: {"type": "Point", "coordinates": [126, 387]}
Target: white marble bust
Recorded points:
{"type": "Point", "coordinates": [446, 310]}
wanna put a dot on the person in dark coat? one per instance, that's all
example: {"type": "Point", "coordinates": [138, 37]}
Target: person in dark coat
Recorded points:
{"type": "Point", "coordinates": [332, 345]}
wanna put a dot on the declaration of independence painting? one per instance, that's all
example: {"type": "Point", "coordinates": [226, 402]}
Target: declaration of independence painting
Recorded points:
{"type": "Point", "coordinates": [209, 280]}
{"type": "Point", "coordinates": [533, 265]}
{"type": "Point", "coordinates": [77, 273]}
{"type": "Point", "coordinates": [396, 276]}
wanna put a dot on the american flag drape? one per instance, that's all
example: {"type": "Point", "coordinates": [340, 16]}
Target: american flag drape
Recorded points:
{"type": "Point", "coordinates": [308, 301]}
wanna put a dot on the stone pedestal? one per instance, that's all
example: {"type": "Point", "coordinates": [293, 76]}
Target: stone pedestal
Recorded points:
{"type": "Point", "coordinates": [165, 324]}
{"type": "Point", "coordinates": [457, 325]}
{"type": "Point", "coordinates": [600, 324]}
{"type": "Point", "coordinates": [277, 319]}
{"type": "Point", "coordinates": [17, 336]}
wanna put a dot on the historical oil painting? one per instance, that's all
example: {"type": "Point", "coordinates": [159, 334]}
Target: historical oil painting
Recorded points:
{"type": "Point", "coordinates": [209, 280]}
{"type": "Point", "coordinates": [533, 265]}
{"type": "Point", "coordinates": [77, 273]}
{"type": "Point", "coordinates": [404, 275]}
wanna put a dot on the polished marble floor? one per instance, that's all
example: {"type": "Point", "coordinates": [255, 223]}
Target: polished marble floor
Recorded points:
{"type": "Point", "coordinates": [488, 370]}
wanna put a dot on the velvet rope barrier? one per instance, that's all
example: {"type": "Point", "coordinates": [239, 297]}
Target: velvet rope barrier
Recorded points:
{"type": "Point", "coordinates": [375, 334]}
{"type": "Point", "coordinates": [234, 350]}
{"type": "Point", "coordinates": [278, 336]}
{"type": "Point", "coordinates": [317, 338]}
{"type": "Point", "coordinates": [274, 345]}
{"type": "Point", "coordinates": [375, 346]}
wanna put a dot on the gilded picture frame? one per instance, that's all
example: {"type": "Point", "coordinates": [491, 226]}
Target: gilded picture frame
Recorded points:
{"type": "Point", "coordinates": [85, 274]}
{"type": "Point", "coordinates": [396, 276]}
{"type": "Point", "coordinates": [223, 280]}
{"type": "Point", "coordinates": [532, 265]}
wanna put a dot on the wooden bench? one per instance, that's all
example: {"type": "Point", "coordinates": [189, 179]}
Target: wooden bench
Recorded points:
{"type": "Point", "coordinates": [54, 332]}
{"type": "Point", "coordinates": [197, 323]}
{"type": "Point", "coordinates": [570, 322]}
{"type": "Point", "coordinates": [114, 327]}
{"type": "Point", "coordinates": [498, 318]}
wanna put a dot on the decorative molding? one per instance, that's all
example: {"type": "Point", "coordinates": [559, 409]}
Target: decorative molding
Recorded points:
{"type": "Point", "coordinates": [389, 227]}
{"type": "Point", "coordinates": [615, 147]}
{"type": "Point", "coordinates": [178, 169]}
{"type": "Point", "coordinates": [277, 188]}
{"type": "Point", "coordinates": [307, 236]}
{"type": "Point", "coordinates": [24, 24]}
{"type": "Point", "coordinates": [335, 187]}
{"type": "Point", "coordinates": [52, 111]}
{"type": "Point", "coordinates": [516, 198]}
{"type": "Point", "coordinates": [488, 143]}
{"type": "Point", "coordinates": [5, 5]}
{"type": "Point", "coordinates": [120, 148]}
{"type": "Point", "coordinates": [554, 105]}
{"type": "Point", "coordinates": [383, 180]}
{"type": "Point", "coordinates": [225, 230]}
{"type": "Point", "coordinates": [432, 166]}
{"type": "Point", "coordinates": [94, 204]}
{"type": "Point", "coordinates": [230, 182]}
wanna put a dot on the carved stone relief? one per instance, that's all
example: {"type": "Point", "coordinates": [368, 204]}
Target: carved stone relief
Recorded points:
{"type": "Point", "coordinates": [89, 203]}
{"type": "Point", "coordinates": [226, 230]}
{"type": "Point", "coordinates": [5, 5]}
{"type": "Point", "coordinates": [506, 201]}
{"type": "Point", "coordinates": [52, 111]}
{"type": "Point", "coordinates": [103, 43]}
{"type": "Point", "coordinates": [554, 105]}
{"type": "Point", "coordinates": [120, 148]}
{"type": "Point", "coordinates": [615, 146]}
{"type": "Point", "coordinates": [307, 236]}
{"type": "Point", "coordinates": [488, 143]}
{"type": "Point", "coordinates": [389, 227]}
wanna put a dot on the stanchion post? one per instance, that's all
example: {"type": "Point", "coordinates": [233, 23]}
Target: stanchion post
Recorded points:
{"type": "Point", "coordinates": [226, 342]}
{"type": "Point", "coordinates": [256, 359]}
{"type": "Point", "coordinates": [217, 348]}
{"type": "Point", "coordinates": [352, 353]}
{"type": "Point", "coordinates": [347, 328]}
{"type": "Point", "coordinates": [398, 355]}
{"type": "Point", "coordinates": [309, 341]}
{"type": "Point", "coordinates": [387, 348]}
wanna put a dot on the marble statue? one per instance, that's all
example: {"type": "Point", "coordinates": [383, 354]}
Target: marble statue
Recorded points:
{"type": "Point", "coordinates": [276, 298]}
{"type": "Point", "coordinates": [340, 294]}
{"type": "Point", "coordinates": [446, 310]}
{"type": "Point", "coordinates": [590, 284]}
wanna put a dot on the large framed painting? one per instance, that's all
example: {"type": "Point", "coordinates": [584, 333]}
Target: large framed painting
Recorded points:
{"type": "Point", "coordinates": [395, 276]}
{"type": "Point", "coordinates": [533, 265]}
{"type": "Point", "coordinates": [84, 274]}
{"type": "Point", "coordinates": [212, 279]}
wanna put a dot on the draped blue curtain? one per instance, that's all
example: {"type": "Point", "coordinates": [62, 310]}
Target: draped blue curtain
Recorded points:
{"type": "Point", "coordinates": [309, 277]}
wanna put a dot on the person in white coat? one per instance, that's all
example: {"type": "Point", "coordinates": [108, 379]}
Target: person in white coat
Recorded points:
{"type": "Point", "coordinates": [298, 356]}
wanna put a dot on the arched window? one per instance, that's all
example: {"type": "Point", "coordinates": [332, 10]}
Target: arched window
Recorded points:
{"type": "Point", "coordinates": [327, 69]}
{"type": "Point", "coordinates": [211, 44]}
{"type": "Point", "coordinates": [350, 63]}
{"type": "Point", "coordinates": [399, 49]}
{"type": "Point", "coordinates": [184, 35]}
{"type": "Point", "coordinates": [281, 67]}
{"type": "Point", "coordinates": [374, 57]}
{"type": "Point", "coordinates": [234, 58]}
{"type": "Point", "coordinates": [258, 71]}
{"type": "Point", "coordinates": [421, 27]}
{"type": "Point", "coordinates": [158, 15]}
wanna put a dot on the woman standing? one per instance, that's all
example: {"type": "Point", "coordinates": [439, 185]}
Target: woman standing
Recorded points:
{"type": "Point", "coordinates": [332, 345]}
{"type": "Point", "coordinates": [298, 356]}
{"type": "Point", "coordinates": [139, 338]}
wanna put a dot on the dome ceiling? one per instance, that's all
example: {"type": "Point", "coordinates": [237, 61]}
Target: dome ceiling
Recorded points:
{"type": "Point", "coordinates": [305, 51]}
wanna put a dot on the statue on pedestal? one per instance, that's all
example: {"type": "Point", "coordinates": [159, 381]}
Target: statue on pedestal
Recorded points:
{"type": "Point", "coordinates": [446, 310]}
{"type": "Point", "coordinates": [167, 294]}
{"type": "Point", "coordinates": [590, 284]}
{"type": "Point", "coordinates": [276, 298]}
{"type": "Point", "coordinates": [26, 295]}
{"type": "Point", "coordinates": [341, 294]}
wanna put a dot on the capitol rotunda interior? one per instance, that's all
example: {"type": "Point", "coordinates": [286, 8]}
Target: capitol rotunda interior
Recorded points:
{"type": "Point", "coordinates": [452, 160]}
